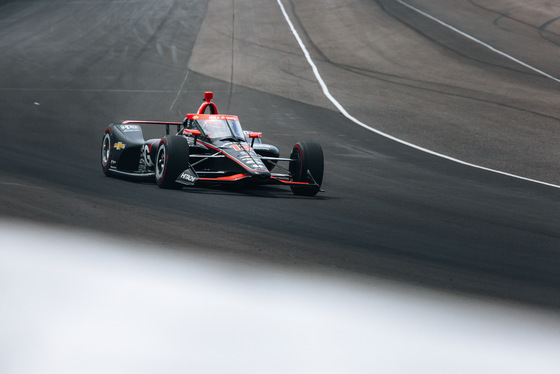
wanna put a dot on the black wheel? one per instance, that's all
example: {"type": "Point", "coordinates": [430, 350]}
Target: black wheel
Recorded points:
{"type": "Point", "coordinates": [106, 152]}
{"type": "Point", "coordinates": [171, 159]}
{"type": "Point", "coordinates": [307, 167]}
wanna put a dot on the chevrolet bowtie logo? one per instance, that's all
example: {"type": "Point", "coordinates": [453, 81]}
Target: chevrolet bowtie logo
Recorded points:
{"type": "Point", "coordinates": [119, 146]}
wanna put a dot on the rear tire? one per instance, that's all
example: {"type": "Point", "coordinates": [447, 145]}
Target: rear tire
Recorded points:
{"type": "Point", "coordinates": [307, 156]}
{"type": "Point", "coordinates": [172, 158]}
{"type": "Point", "coordinates": [106, 152]}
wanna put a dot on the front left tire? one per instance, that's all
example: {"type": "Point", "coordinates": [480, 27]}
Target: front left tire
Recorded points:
{"type": "Point", "coordinates": [172, 158]}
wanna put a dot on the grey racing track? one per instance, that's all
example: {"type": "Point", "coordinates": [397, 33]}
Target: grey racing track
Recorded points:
{"type": "Point", "coordinates": [389, 211]}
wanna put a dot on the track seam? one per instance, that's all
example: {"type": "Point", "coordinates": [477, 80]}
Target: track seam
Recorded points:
{"type": "Point", "coordinates": [345, 113]}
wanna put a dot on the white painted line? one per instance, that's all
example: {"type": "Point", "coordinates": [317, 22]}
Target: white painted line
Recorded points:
{"type": "Point", "coordinates": [342, 110]}
{"type": "Point", "coordinates": [470, 37]}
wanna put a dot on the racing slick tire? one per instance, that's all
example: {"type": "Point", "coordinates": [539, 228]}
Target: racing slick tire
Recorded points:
{"type": "Point", "coordinates": [106, 152]}
{"type": "Point", "coordinates": [172, 158]}
{"type": "Point", "coordinates": [308, 159]}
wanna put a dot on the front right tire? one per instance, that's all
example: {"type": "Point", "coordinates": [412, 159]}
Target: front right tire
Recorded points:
{"type": "Point", "coordinates": [307, 159]}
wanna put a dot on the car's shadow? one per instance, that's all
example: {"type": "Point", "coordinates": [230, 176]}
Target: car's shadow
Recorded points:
{"type": "Point", "coordinates": [239, 189]}
{"type": "Point", "coordinates": [262, 191]}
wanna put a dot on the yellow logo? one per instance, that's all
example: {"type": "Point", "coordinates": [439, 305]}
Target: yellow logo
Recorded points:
{"type": "Point", "coordinates": [119, 146]}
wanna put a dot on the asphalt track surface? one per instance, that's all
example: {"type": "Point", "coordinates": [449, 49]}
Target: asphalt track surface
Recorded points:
{"type": "Point", "coordinates": [390, 211]}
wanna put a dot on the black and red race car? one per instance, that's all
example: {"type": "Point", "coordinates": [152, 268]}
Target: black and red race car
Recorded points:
{"type": "Point", "coordinates": [208, 149]}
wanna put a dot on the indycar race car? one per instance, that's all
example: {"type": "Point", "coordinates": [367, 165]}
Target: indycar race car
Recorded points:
{"type": "Point", "coordinates": [208, 149]}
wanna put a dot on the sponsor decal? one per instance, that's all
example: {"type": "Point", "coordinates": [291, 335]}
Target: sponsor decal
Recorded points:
{"type": "Point", "coordinates": [252, 163]}
{"type": "Point", "coordinates": [129, 128]}
{"type": "Point", "coordinates": [118, 146]}
{"type": "Point", "coordinates": [240, 147]}
{"type": "Point", "coordinates": [146, 155]}
{"type": "Point", "coordinates": [212, 116]}
{"type": "Point", "coordinates": [250, 159]}
{"type": "Point", "coordinates": [188, 176]}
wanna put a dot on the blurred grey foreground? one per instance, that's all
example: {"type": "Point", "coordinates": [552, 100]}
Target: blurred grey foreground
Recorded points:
{"type": "Point", "coordinates": [73, 303]}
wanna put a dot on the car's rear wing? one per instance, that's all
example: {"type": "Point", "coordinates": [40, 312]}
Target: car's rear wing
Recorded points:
{"type": "Point", "coordinates": [166, 124]}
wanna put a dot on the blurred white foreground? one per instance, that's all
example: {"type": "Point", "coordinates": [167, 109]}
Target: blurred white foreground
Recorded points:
{"type": "Point", "coordinates": [74, 303]}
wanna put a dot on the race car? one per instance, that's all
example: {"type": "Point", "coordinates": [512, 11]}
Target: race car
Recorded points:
{"type": "Point", "coordinates": [208, 149]}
